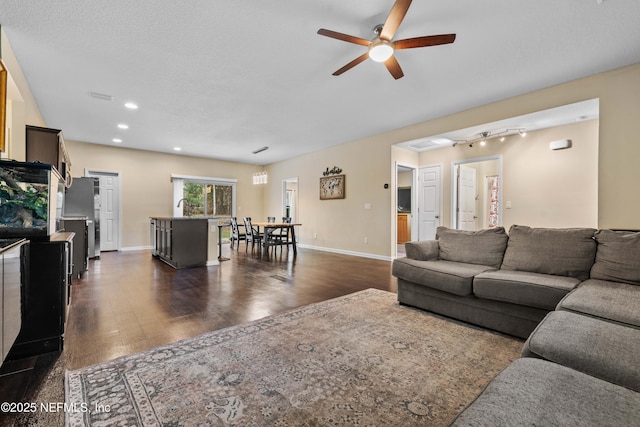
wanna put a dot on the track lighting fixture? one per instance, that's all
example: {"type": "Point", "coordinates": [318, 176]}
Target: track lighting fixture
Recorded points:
{"type": "Point", "coordinates": [483, 137]}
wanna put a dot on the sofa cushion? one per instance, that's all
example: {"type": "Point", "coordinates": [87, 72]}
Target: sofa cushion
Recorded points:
{"type": "Point", "coordinates": [424, 250]}
{"type": "Point", "coordinates": [613, 301]}
{"type": "Point", "coordinates": [520, 287]}
{"type": "Point", "coordinates": [482, 247]}
{"type": "Point", "coordinates": [534, 392]}
{"type": "Point", "coordinates": [617, 257]}
{"type": "Point", "coordinates": [447, 276]}
{"type": "Point", "coordinates": [512, 319]}
{"type": "Point", "coordinates": [558, 251]}
{"type": "Point", "coordinates": [605, 350]}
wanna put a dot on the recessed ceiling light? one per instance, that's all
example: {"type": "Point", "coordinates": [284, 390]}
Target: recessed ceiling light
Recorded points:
{"type": "Point", "coordinates": [123, 126]}
{"type": "Point", "coordinates": [131, 105]}
{"type": "Point", "coordinates": [117, 140]}
{"type": "Point", "coordinates": [177, 149]}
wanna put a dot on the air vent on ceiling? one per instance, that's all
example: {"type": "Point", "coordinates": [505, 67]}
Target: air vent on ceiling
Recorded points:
{"type": "Point", "coordinates": [260, 150]}
{"type": "Point", "coordinates": [422, 145]}
{"type": "Point", "coordinates": [101, 96]}
{"type": "Point", "coordinates": [429, 143]}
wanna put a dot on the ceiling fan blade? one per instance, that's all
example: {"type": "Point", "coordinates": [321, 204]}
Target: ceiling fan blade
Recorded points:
{"type": "Point", "coordinates": [343, 37]}
{"type": "Point", "coordinates": [398, 11]}
{"type": "Point", "coordinates": [352, 64]}
{"type": "Point", "coordinates": [394, 67]}
{"type": "Point", "coordinates": [424, 41]}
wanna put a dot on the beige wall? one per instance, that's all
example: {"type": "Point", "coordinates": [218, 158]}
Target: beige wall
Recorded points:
{"type": "Point", "coordinates": [546, 188]}
{"type": "Point", "coordinates": [21, 107]}
{"type": "Point", "coordinates": [146, 188]}
{"type": "Point", "coordinates": [341, 225]}
{"type": "Point", "coordinates": [405, 179]}
{"type": "Point", "coordinates": [619, 95]}
{"type": "Point", "coordinates": [368, 163]}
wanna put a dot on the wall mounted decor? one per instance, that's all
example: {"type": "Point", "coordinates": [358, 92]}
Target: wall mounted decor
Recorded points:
{"type": "Point", "coordinates": [332, 187]}
{"type": "Point", "coordinates": [334, 171]}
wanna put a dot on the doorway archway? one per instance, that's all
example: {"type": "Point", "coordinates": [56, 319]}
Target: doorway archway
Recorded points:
{"type": "Point", "coordinates": [476, 193]}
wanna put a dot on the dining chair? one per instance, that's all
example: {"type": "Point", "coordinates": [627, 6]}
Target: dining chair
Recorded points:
{"type": "Point", "coordinates": [272, 235]}
{"type": "Point", "coordinates": [280, 236]}
{"type": "Point", "coordinates": [236, 235]}
{"type": "Point", "coordinates": [251, 234]}
{"type": "Point", "coordinates": [284, 232]}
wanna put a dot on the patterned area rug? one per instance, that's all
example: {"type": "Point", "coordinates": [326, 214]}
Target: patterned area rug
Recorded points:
{"type": "Point", "coordinates": [360, 359]}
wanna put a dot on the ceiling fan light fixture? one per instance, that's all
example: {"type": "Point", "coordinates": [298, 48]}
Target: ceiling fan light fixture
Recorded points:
{"type": "Point", "coordinates": [380, 50]}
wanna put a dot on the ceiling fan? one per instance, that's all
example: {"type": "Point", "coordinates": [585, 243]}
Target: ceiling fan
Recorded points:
{"type": "Point", "coordinates": [382, 46]}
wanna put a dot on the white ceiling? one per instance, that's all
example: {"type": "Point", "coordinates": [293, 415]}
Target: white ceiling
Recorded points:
{"type": "Point", "coordinates": [223, 78]}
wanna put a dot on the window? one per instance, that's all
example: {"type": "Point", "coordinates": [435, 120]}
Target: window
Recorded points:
{"type": "Point", "coordinates": [202, 196]}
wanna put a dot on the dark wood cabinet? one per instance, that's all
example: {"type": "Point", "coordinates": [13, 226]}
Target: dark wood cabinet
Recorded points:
{"type": "Point", "coordinates": [180, 242]}
{"type": "Point", "coordinates": [45, 295]}
{"type": "Point", "coordinates": [80, 259]}
{"type": "Point", "coordinates": [47, 146]}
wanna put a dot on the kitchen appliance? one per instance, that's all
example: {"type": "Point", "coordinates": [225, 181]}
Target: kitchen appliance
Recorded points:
{"type": "Point", "coordinates": [82, 199]}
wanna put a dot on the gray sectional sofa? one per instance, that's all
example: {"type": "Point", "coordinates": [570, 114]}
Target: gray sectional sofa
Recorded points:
{"type": "Point", "coordinates": [581, 363]}
{"type": "Point", "coordinates": [507, 283]}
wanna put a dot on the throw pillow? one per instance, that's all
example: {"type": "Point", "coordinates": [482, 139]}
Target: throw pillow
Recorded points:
{"type": "Point", "coordinates": [559, 251]}
{"type": "Point", "coordinates": [617, 257]}
{"type": "Point", "coordinates": [482, 247]}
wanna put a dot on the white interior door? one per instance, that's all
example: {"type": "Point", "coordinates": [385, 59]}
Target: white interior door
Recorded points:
{"type": "Point", "coordinates": [109, 209]}
{"type": "Point", "coordinates": [467, 198]}
{"type": "Point", "coordinates": [430, 212]}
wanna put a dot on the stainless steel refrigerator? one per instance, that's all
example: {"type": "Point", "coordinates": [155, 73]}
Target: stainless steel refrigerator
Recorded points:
{"type": "Point", "coordinates": [82, 199]}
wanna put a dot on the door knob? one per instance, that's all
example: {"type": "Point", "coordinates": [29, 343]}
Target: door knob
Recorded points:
{"type": "Point", "coordinates": [437, 216]}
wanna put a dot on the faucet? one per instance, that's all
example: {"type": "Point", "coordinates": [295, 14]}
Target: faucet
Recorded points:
{"type": "Point", "coordinates": [186, 203]}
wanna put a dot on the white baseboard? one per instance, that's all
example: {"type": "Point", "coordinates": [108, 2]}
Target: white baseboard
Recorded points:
{"type": "Point", "coordinates": [135, 248]}
{"type": "Point", "coordinates": [300, 245]}
{"type": "Point", "coordinates": [344, 252]}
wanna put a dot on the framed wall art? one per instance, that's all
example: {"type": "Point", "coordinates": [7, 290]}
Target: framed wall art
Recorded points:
{"type": "Point", "coordinates": [332, 187]}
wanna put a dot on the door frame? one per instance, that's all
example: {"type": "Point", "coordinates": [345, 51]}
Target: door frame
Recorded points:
{"type": "Point", "coordinates": [296, 211]}
{"type": "Point", "coordinates": [91, 172]}
{"type": "Point", "coordinates": [414, 200]}
{"type": "Point", "coordinates": [440, 191]}
{"type": "Point", "coordinates": [454, 185]}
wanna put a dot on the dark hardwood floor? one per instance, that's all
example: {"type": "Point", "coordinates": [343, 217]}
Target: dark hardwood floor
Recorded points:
{"type": "Point", "coordinates": [130, 302]}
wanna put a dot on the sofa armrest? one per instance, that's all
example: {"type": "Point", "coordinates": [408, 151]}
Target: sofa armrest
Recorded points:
{"type": "Point", "coordinates": [426, 250]}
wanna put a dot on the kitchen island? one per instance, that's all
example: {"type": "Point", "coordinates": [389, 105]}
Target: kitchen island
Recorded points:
{"type": "Point", "coordinates": [180, 241]}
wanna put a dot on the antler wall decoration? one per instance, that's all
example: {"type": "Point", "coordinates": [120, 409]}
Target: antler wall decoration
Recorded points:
{"type": "Point", "coordinates": [333, 171]}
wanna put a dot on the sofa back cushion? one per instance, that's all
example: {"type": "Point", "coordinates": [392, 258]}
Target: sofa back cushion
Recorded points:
{"type": "Point", "coordinates": [482, 247]}
{"type": "Point", "coordinates": [617, 257]}
{"type": "Point", "coordinates": [559, 251]}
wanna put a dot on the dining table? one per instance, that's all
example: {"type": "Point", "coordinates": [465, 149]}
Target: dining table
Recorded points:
{"type": "Point", "coordinates": [266, 226]}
